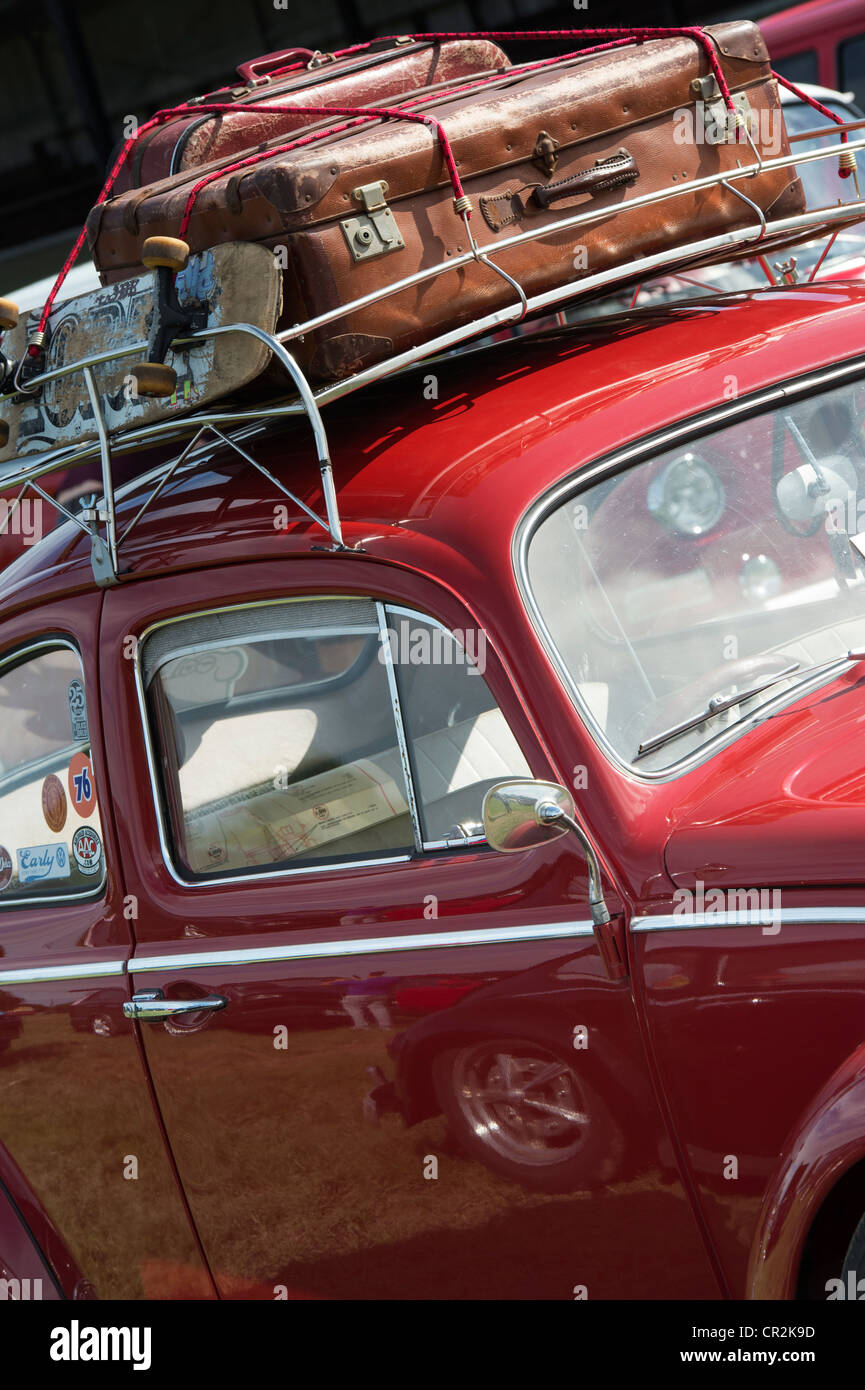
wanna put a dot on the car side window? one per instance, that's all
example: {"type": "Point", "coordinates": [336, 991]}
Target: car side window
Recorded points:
{"type": "Point", "coordinates": [851, 55]}
{"type": "Point", "coordinates": [288, 734]}
{"type": "Point", "coordinates": [50, 831]}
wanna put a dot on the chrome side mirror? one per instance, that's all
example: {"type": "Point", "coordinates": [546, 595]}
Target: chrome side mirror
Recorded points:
{"type": "Point", "coordinates": [523, 814]}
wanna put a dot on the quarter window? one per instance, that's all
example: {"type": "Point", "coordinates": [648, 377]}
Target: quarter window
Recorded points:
{"type": "Point", "coordinates": [799, 67]}
{"type": "Point", "coordinates": [851, 56]}
{"type": "Point", "coordinates": [50, 830]}
{"type": "Point", "coordinates": [303, 732]}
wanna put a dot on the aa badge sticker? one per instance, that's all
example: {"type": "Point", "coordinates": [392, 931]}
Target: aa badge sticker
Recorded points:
{"type": "Point", "coordinates": [5, 868]}
{"type": "Point", "coordinates": [87, 850]}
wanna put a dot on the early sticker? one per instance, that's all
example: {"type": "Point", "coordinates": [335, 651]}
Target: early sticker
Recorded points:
{"type": "Point", "coordinates": [78, 712]}
{"type": "Point", "coordinates": [87, 849]}
{"type": "Point", "coordinates": [39, 863]}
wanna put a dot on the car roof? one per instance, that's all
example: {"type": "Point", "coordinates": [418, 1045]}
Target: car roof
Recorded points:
{"type": "Point", "coordinates": [457, 450]}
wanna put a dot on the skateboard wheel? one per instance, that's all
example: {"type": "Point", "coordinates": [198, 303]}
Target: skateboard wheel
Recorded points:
{"type": "Point", "coordinates": [8, 314]}
{"type": "Point", "coordinates": [169, 251]}
{"type": "Point", "coordinates": [4, 434]}
{"type": "Point", "coordinates": [155, 379]}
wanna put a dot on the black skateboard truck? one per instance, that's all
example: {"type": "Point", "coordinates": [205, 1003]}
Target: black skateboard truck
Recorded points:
{"type": "Point", "coordinates": [165, 256]}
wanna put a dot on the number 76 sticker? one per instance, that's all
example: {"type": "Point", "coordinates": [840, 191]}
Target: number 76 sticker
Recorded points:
{"type": "Point", "coordinates": [82, 791]}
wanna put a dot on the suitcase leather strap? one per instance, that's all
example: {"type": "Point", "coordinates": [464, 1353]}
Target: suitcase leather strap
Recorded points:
{"type": "Point", "coordinates": [504, 209]}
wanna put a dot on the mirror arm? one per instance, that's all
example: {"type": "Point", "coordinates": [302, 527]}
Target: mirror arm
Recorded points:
{"type": "Point", "coordinates": [550, 814]}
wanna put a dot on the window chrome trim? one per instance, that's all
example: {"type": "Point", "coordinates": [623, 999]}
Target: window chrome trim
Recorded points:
{"type": "Point", "coordinates": [19, 656]}
{"type": "Point", "coordinates": [386, 656]}
{"type": "Point", "coordinates": [374, 945]}
{"type": "Point", "coordinates": [608, 466]}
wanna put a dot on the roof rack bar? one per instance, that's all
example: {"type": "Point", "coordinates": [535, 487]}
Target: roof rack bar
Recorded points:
{"type": "Point", "coordinates": [179, 426]}
{"type": "Point", "coordinates": [636, 270]}
{"type": "Point", "coordinates": [104, 564]}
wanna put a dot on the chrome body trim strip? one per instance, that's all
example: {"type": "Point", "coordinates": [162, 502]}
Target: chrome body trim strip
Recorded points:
{"type": "Point", "coordinates": [416, 941]}
{"type": "Point", "coordinates": [747, 917]}
{"type": "Point", "coordinates": [94, 970]}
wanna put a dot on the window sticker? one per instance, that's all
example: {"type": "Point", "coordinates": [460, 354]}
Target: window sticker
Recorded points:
{"type": "Point", "coordinates": [39, 863]}
{"type": "Point", "coordinates": [87, 849]}
{"type": "Point", "coordinates": [54, 803]}
{"type": "Point", "coordinates": [82, 788]}
{"type": "Point", "coordinates": [5, 868]}
{"type": "Point", "coordinates": [78, 712]}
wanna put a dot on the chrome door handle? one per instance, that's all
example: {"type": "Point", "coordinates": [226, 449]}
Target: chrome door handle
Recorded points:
{"type": "Point", "coordinates": [152, 1004]}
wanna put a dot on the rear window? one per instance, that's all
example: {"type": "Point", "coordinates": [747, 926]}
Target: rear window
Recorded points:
{"type": "Point", "coordinates": [50, 831]}
{"type": "Point", "coordinates": [798, 67]}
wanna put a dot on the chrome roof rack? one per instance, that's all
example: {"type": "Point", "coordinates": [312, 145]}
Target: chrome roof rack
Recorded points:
{"type": "Point", "coordinates": [234, 427]}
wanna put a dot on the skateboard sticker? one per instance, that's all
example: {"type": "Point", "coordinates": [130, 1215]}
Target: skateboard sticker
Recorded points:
{"type": "Point", "coordinates": [5, 868]}
{"type": "Point", "coordinates": [54, 803]}
{"type": "Point", "coordinates": [78, 712]}
{"type": "Point", "coordinates": [39, 863]}
{"type": "Point", "coordinates": [87, 849]}
{"type": "Point", "coordinates": [82, 790]}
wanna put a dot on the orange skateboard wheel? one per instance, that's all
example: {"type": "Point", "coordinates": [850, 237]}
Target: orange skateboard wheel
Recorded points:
{"type": "Point", "coordinates": [8, 314]}
{"type": "Point", "coordinates": [169, 251]}
{"type": "Point", "coordinates": [155, 379]}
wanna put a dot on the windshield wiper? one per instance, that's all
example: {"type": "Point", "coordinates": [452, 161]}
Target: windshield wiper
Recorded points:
{"type": "Point", "coordinates": [719, 703]}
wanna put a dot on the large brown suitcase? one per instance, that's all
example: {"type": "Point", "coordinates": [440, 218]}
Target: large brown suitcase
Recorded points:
{"type": "Point", "coordinates": [362, 208]}
{"type": "Point", "coordinates": [382, 73]}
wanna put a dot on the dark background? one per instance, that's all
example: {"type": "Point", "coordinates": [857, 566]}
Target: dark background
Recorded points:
{"type": "Point", "coordinates": [73, 69]}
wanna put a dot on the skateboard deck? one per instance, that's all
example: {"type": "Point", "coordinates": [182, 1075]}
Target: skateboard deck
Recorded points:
{"type": "Point", "coordinates": [235, 283]}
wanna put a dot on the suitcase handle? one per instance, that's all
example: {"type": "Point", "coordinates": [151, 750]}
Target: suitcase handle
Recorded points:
{"type": "Point", "coordinates": [620, 168]}
{"type": "Point", "coordinates": [258, 67]}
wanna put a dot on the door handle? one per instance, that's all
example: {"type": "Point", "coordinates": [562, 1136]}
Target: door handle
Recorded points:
{"type": "Point", "coordinates": [152, 1004]}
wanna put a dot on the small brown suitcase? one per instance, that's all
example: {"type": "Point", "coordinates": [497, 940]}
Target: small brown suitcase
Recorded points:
{"type": "Point", "coordinates": [359, 209]}
{"type": "Point", "coordinates": [382, 73]}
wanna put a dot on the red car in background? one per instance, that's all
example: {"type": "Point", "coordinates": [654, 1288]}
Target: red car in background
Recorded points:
{"type": "Point", "coordinates": [821, 41]}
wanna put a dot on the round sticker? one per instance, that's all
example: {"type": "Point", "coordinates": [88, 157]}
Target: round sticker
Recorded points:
{"type": "Point", "coordinates": [82, 788]}
{"type": "Point", "coordinates": [54, 803]}
{"type": "Point", "coordinates": [87, 849]}
{"type": "Point", "coordinates": [5, 868]}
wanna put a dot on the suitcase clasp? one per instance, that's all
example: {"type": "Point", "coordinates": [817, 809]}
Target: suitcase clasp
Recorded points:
{"type": "Point", "coordinates": [374, 232]}
{"type": "Point", "coordinates": [716, 117]}
{"type": "Point", "coordinates": [545, 156]}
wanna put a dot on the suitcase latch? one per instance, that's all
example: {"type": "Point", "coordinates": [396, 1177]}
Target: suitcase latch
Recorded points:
{"type": "Point", "coordinates": [716, 117]}
{"type": "Point", "coordinates": [374, 232]}
{"type": "Point", "coordinates": [544, 155]}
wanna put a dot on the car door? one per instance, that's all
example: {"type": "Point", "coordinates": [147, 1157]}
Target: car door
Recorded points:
{"type": "Point", "coordinates": [390, 1061]}
{"type": "Point", "coordinates": [81, 1150]}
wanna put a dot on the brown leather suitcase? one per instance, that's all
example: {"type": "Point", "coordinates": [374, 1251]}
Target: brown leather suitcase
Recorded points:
{"type": "Point", "coordinates": [382, 73]}
{"type": "Point", "coordinates": [361, 208]}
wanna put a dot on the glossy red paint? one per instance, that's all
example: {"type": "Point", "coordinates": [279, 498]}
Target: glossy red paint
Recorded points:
{"type": "Point", "coordinates": [260, 1152]}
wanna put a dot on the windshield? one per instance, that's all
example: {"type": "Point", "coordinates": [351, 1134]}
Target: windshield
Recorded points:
{"type": "Point", "coordinates": [729, 565]}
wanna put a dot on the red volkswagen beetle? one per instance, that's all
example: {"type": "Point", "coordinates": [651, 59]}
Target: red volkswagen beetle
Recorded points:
{"type": "Point", "coordinates": [476, 909]}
